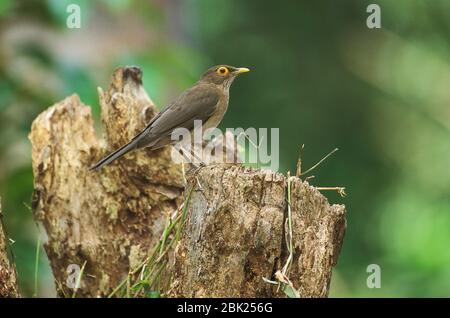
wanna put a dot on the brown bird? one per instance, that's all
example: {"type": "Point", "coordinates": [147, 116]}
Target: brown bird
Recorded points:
{"type": "Point", "coordinates": [207, 101]}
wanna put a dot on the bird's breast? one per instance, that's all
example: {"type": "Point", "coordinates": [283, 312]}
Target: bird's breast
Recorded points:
{"type": "Point", "coordinates": [214, 120]}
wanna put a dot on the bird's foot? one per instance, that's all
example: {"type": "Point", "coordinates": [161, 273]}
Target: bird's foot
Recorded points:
{"type": "Point", "coordinates": [195, 169]}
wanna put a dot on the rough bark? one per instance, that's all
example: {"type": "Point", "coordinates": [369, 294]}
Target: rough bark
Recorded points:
{"type": "Point", "coordinates": [318, 234]}
{"type": "Point", "coordinates": [109, 219]}
{"type": "Point", "coordinates": [8, 275]}
{"type": "Point", "coordinates": [235, 234]}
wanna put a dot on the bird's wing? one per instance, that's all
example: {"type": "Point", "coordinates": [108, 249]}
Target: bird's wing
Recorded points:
{"type": "Point", "coordinates": [196, 103]}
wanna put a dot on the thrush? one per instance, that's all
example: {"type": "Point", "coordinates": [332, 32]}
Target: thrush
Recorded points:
{"type": "Point", "coordinates": [206, 101]}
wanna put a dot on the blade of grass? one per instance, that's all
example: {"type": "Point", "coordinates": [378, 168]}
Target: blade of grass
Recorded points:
{"type": "Point", "coordinates": [60, 288]}
{"type": "Point", "coordinates": [36, 266]}
{"type": "Point", "coordinates": [77, 285]}
{"type": "Point", "coordinates": [151, 268]}
{"type": "Point", "coordinates": [183, 214]}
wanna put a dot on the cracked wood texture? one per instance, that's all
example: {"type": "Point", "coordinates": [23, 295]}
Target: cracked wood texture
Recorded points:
{"type": "Point", "coordinates": [235, 231]}
{"type": "Point", "coordinates": [109, 219]}
{"type": "Point", "coordinates": [235, 236]}
{"type": "Point", "coordinates": [8, 276]}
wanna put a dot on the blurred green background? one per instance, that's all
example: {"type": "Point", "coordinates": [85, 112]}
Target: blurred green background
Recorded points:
{"type": "Point", "coordinates": [382, 96]}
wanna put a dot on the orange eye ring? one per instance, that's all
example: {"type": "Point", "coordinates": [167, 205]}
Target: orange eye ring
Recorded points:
{"type": "Point", "coordinates": [222, 71]}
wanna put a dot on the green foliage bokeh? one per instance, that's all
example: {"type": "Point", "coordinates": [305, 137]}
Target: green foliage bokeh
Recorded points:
{"type": "Point", "coordinates": [382, 96]}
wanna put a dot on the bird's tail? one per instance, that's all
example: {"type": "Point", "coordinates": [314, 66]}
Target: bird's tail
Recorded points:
{"type": "Point", "coordinates": [114, 155]}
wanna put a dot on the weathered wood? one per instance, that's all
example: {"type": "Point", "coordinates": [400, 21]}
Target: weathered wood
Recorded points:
{"type": "Point", "coordinates": [8, 275]}
{"type": "Point", "coordinates": [235, 234]}
{"type": "Point", "coordinates": [109, 219]}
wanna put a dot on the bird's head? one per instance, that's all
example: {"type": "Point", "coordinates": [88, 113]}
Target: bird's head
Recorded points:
{"type": "Point", "coordinates": [222, 74]}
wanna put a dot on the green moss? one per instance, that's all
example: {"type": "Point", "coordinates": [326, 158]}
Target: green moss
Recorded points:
{"type": "Point", "coordinates": [112, 210]}
{"type": "Point", "coordinates": [136, 256]}
{"type": "Point", "coordinates": [108, 184]}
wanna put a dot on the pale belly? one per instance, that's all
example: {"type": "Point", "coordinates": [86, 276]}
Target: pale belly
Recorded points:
{"type": "Point", "coordinates": [217, 117]}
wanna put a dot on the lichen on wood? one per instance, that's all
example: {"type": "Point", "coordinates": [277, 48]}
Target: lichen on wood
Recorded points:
{"type": "Point", "coordinates": [234, 237]}
{"type": "Point", "coordinates": [8, 276]}
{"type": "Point", "coordinates": [108, 218]}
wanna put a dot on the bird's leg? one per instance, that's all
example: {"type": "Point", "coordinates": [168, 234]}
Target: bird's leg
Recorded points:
{"type": "Point", "coordinates": [194, 170]}
{"type": "Point", "coordinates": [194, 155]}
{"type": "Point", "coordinates": [201, 163]}
{"type": "Point", "coordinates": [184, 154]}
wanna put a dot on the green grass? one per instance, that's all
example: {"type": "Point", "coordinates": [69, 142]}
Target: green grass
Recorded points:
{"type": "Point", "coordinates": [147, 279]}
{"type": "Point", "coordinates": [36, 266]}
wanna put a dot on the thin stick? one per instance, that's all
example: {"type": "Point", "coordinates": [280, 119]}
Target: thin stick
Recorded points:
{"type": "Point", "coordinates": [288, 262]}
{"type": "Point", "coordinates": [309, 178]}
{"type": "Point", "coordinates": [298, 173]}
{"type": "Point", "coordinates": [320, 161]}
{"type": "Point", "coordinates": [340, 190]}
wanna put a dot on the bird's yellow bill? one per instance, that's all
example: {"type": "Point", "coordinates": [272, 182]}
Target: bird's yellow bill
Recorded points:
{"type": "Point", "coordinates": [242, 70]}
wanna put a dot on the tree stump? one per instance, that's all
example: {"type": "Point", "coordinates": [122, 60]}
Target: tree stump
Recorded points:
{"type": "Point", "coordinates": [236, 230]}
{"type": "Point", "coordinates": [111, 218]}
{"type": "Point", "coordinates": [8, 275]}
{"type": "Point", "coordinates": [235, 235]}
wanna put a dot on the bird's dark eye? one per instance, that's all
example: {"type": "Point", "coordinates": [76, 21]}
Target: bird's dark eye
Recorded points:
{"type": "Point", "coordinates": [222, 70]}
